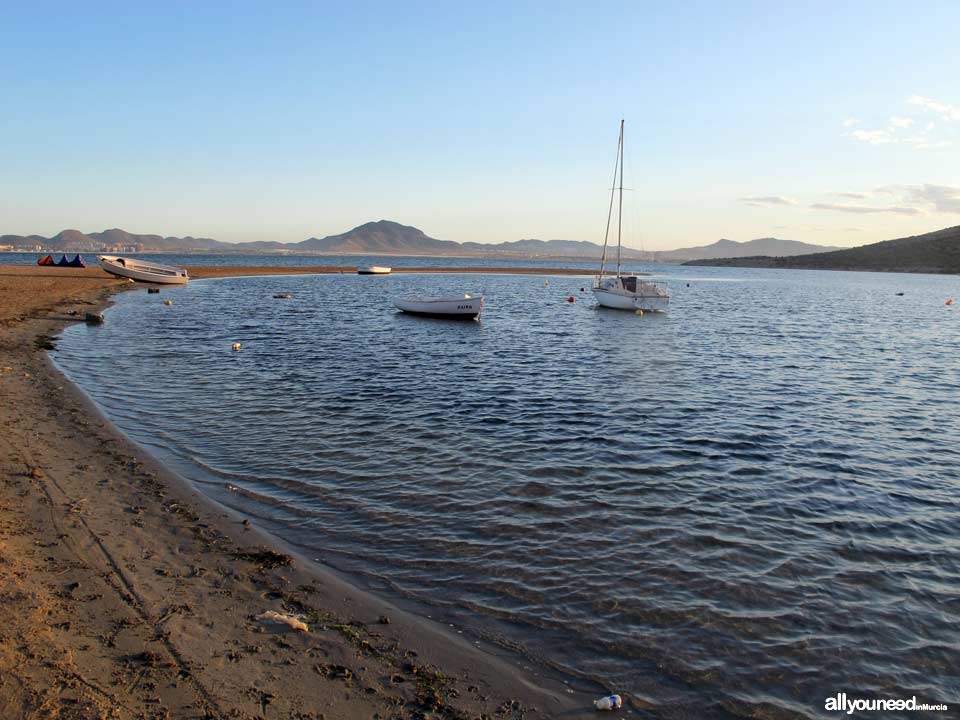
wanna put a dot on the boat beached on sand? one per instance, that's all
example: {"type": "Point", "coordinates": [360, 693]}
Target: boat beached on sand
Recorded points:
{"type": "Point", "coordinates": [450, 307]}
{"type": "Point", "coordinates": [373, 270]}
{"type": "Point", "coordinates": [143, 270]}
{"type": "Point", "coordinates": [625, 292]}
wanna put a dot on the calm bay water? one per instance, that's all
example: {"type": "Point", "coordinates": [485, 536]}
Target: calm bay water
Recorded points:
{"type": "Point", "coordinates": [737, 508]}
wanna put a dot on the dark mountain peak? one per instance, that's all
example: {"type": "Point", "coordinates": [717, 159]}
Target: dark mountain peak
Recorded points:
{"type": "Point", "coordinates": [383, 237]}
{"type": "Point", "coordinates": [69, 235]}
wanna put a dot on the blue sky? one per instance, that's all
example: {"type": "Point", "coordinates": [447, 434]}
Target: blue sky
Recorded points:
{"type": "Point", "coordinates": [834, 123]}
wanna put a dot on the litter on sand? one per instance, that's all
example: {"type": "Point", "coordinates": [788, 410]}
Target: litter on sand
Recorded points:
{"type": "Point", "coordinates": [272, 617]}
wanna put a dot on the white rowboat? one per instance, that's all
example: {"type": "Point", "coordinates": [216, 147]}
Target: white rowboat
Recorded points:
{"type": "Point", "coordinates": [373, 270]}
{"type": "Point", "coordinates": [143, 271]}
{"type": "Point", "coordinates": [451, 307]}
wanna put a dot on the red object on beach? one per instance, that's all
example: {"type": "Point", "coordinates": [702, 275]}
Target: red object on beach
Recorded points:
{"type": "Point", "coordinates": [48, 260]}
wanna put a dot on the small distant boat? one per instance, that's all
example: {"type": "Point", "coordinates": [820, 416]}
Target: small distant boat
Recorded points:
{"type": "Point", "coordinates": [625, 292]}
{"type": "Point", "coordinates": [450, 307]}
{"type": "Point", "coordinates": [373, 270]}
{"type": "Point", "coordinates": [144, 271]}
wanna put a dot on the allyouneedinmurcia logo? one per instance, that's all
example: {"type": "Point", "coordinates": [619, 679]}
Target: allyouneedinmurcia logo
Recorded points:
{"type": "Point", "coordinates": [841, 702]}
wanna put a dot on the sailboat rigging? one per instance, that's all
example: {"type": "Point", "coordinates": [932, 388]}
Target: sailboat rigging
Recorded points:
{"type": "Point", "coordinates": [625, 292]}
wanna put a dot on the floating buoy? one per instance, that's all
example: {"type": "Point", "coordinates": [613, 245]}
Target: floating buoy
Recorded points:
{"type": "Point", "coordinates": [283, 296]}
{"type": "Point", "coordinates": [571, 299]}
{"type": "Point", "coordinates": [546, 282]}
{"type": "Point", "coordinates": [168, 302]}
{"type": "Point", "coordinates": [236, 346]}
{"type": "Point", "coordinates": [583, 290]}
{"type": "Point", "coordinates": [949, 302]}
{"type": "Point", "coordinates": [640, 313]}
{"type": "Point", "coordinates": [153, 291]}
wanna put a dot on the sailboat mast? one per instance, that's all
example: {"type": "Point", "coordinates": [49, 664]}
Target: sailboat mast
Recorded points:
{"type": "Point", "coordinates": [613, 190]}
{"type": "Point", "coordinates": [620, 208]}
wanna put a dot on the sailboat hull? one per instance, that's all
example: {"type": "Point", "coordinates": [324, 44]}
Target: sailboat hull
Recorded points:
{"type": "Point", "coordinates": [631, 293]}
{"type": "Point", "coordinates": [613, 300]}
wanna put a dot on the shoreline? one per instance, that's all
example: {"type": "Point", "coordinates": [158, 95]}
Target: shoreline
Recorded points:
{"type": "Point", "coordinates": [125, 592]}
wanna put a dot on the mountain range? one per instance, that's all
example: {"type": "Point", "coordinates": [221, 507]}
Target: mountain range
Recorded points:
{"type": "Point", "coordinates": [386, 237]}
{"type": "Point", "coordinates": [933, 252]}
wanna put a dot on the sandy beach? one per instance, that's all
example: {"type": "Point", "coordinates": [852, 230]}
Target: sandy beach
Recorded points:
{"type": "Point", "coordinates": [126, 594]}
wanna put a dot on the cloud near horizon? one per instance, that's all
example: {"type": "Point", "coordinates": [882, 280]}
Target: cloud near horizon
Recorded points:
{"type": "Point", "coordinates": [865, 209]}
{"type": "Point", "coordinates": [767, 200]}
{"type": "Point", "coordinates": [941, 198]}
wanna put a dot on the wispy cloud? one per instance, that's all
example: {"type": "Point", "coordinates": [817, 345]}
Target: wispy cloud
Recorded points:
{"type": "Point", "coordinates": [944, 110]}
{"type": "Point", "coordinates": [940, 198]}
{"type": "Point", "coordinates": [867, 209]}
{"type": "Point", "coordinates": [906, 130]}
{"type": "Point", "coordinates": [766, 200]}
{"type": "Point", "coordinates": [852, 195]}
{"type": "Point", "coordinates": [874, 137]}
{"type": "Point", "coordinates": [852, 229]}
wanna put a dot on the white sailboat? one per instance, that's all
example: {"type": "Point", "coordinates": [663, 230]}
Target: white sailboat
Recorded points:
{"type": "Point", "coordinates": [625, 292]}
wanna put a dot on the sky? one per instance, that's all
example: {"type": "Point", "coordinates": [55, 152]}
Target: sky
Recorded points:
{"type": "Point", "coordinates": [832, 123]}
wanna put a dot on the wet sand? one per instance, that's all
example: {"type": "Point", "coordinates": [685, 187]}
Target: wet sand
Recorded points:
{"type": "Point", "coordinates": [126, 594]}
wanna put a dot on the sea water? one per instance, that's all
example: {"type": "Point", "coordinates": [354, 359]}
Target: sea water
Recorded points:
{"type": "Point", "coordinates": [734, 509]}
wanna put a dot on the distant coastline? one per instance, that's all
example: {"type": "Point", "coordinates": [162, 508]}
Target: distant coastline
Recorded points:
{"type": "Point", "coordinates": [935, 253]}
{"type": "Point", "coordinates": [387, 238]}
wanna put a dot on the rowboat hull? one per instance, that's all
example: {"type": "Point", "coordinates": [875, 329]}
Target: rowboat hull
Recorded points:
{"type": "Point", "coordinates": [373, 270]}
{"type": "Point", "coordinates": [446, 308]}
{"type": "Point", "coordinates": [144, 271]}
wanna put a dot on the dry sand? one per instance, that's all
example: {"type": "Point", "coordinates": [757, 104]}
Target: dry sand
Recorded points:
{"type": "Point", "coordinates": [126, 594]}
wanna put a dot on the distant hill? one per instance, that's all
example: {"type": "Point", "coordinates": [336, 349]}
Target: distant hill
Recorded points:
{"type": "Point", "coordinates": [383, 237]}
{"type": "Point", "coordinates": [733, 249]}
{"type": "Point", "coordinates": [934, 252]}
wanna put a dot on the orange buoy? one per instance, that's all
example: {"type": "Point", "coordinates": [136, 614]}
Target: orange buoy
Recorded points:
{"type": "Point", "coordinates": [949, 302]}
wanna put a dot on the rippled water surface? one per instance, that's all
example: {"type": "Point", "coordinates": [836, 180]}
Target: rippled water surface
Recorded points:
{"type": "Point", "coordinates": [737, 508]}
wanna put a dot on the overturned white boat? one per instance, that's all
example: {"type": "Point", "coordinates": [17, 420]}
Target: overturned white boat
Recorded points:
{"type": "Point", "coordinates": [451, 307]}
{"type": "Point", "coordinates": [143, 270]}
{"type": "Point", "coordinates": [374, 270]}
